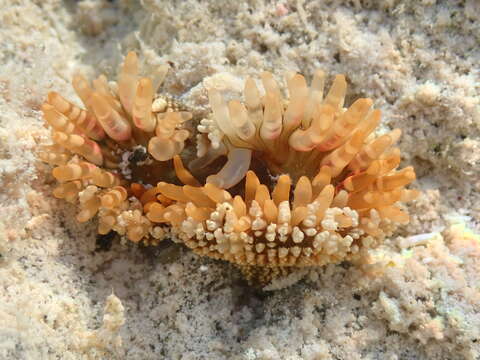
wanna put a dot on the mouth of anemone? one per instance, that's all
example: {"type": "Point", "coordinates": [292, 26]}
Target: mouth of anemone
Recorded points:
{"type": "Point", "coordinates": [264, 182]}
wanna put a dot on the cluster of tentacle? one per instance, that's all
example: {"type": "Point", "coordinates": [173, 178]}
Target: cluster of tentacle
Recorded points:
{"type": "Point", "coordinates": [125, 133]}
{"type": "Point", "coordinates": [299, 181]}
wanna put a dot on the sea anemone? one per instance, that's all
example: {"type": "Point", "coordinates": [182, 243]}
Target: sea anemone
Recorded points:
{"type": "Point", "coordinates": [278, 183]}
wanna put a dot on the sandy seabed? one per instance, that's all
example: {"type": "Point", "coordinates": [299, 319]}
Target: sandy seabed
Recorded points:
{"type": "Point", "coordinates": [63, 298]}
